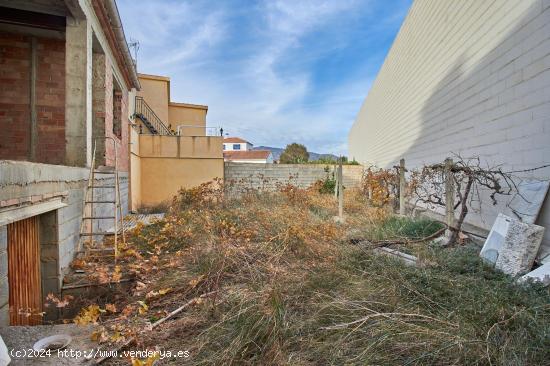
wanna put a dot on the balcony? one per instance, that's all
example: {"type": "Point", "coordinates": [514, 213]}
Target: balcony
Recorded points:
{"type": "Point", "coordinates": [182, 147]}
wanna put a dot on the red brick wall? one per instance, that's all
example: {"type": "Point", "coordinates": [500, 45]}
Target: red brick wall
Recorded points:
{"type": "Point", "coordinates": [109, 149]}
{"type": "Point", "coordinates": [15, 114]}
{"type": "Point", "coordinates": [117, 113]}
{"type": "Point", "coordinates": [121, 103]}
{"type": "Point", "coordinates": [50, 101]}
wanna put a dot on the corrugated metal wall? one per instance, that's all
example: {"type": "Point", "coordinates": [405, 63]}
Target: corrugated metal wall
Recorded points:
{"type": "Point", "coordinates": [25, 296]}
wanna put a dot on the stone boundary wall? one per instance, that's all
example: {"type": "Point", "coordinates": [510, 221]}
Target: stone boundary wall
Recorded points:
{"type": "Point", "coordinates": [243, 176]}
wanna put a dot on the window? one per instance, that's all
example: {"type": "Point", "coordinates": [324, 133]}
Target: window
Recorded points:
{"type": "Point", "coordinates": [236, 146]}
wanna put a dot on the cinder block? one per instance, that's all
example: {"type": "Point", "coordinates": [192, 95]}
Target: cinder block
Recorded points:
{"type": "Point", "coordinates": [4, 291]}
{"type": "Point", "coordinates": [4, 316]}
{"type": "Point", "coordinates": [50, 285]}
{"type": "Point", "coordinates": [3, 264]}
{"type": "Point", "coordinates": [3, 238]}
{"type": "Point", "coordinates": [69, 228]}
{"type": "Point", "coordinates": [49, 268]}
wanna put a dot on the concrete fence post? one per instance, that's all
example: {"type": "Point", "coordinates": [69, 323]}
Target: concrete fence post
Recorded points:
{"type": "Point", "coordinates": [335, 181]}
{"type": "Point", "coordinates": [402, 185]}
{"type": "Point", "coordinates": [449, 194]}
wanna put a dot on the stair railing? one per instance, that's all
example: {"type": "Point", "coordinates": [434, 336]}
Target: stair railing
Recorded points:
{"type": "Point", "coordinates": [146, 113]}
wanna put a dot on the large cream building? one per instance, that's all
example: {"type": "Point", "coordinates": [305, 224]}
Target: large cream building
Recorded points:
{"type": "Point", "coordinates": [468, 77]}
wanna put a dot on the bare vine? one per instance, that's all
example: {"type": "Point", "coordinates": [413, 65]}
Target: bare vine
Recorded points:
{"type": "Point", "coordinates": [428, 186]}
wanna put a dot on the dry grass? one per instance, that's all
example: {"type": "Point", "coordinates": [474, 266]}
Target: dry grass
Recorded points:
{"type": "Point", "coordinates": [292, 289]}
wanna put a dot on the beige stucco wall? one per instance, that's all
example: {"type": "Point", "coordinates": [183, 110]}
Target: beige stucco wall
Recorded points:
{"type": "Point", "coordinates": [180, 146]}
{"type": "Point", "coordinates": [189, 115]}
{"type": "Point", "coordinates": [135, 170]}
{"type": "Point", "coordinates": [161, 165]}
{"type": "Point", "coordinates": [468, 77]}
{"type": "Point", "coordinates": [155, 90]}
{"type": "Point", "coordinates": [161, 178]}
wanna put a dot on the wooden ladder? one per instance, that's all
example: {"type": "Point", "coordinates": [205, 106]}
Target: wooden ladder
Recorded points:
{"type": "Point", "coordinates": [88, 213]}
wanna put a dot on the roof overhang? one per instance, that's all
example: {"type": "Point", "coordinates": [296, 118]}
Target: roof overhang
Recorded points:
{"type": "Point", "coordinates": [109, 18]}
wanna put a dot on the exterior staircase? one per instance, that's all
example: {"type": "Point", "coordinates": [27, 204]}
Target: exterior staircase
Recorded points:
{"type": "Point", "coordinates": [150, 119]}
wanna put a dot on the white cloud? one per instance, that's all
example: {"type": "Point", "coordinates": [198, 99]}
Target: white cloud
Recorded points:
{"type": "Point", "coordinates": [256, 76]}
{"type": "Point", "coordinates": [192, 47]}
{"type": "Point", "coordinates": [294, 18]}
{"type": "Point", "coordinates": [171, 32]}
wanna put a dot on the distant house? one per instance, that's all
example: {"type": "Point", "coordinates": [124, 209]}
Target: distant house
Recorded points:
{"type": "Point", "coordinates": [251, 156]}
{"type": "Point", "coordinates": [236, 144]}
{"type": "Point", "coordinates": [238, 150]}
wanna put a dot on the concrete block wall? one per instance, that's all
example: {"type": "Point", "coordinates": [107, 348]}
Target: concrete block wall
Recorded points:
{"type": "Point", "coordinates": [243, 176]}
{"type": "Point", "coordinates": [49, 258]}
{"type": "Point", "coordinates": [23, 183]}
{"type": "Point", "coordinates": [467, 77]}
{"type": "Point", "coordinates": [70, 217]}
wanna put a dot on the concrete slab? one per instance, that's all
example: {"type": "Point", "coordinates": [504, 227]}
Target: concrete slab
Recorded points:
{"type": "Point", "coordinates": [541, 274]}
{"type": "Point", "coordinates": [407, 259]}
{"type": "Point", "coordinates": [521, 245]}
{"type": "Point", "coordinates": [4, 353]}
{"type": "Point", "coordinates": [512, 245]}
{"type": "Point", "coordinates": [19, 340]}
{"type": "Point", "coordinates": [528, 202]}
{"type": "Point", "coordinates": [495, 239]}
{"type": "Point", "coordinates": [131, 221]}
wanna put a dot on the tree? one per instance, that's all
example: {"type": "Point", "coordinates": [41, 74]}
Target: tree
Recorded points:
{"type": "Point", "coordinates": [294, 154]}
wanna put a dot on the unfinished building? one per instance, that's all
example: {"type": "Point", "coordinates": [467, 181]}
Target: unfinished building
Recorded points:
{"type": "Point", "coordinates": [67, 89]}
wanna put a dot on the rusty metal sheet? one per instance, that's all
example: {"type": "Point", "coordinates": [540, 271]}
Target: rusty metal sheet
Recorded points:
{"type": "Point", "coordinates": [25, 288]}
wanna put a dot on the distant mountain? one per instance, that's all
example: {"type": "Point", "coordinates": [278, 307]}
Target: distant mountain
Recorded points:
{"type": "Point", "coordinates": [277, 151]}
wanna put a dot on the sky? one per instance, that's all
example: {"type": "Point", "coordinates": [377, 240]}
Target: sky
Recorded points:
{"type": "Point", "coordinates": [272, 72]}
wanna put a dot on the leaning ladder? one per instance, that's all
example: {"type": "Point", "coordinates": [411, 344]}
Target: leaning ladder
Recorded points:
{"type": "Point", "coordinates": [88, 213]}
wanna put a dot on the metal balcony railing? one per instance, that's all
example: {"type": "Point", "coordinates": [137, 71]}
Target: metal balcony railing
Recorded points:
{"type": "Point", "coordinates": [153, 122]}
{"type": "Point", "coordinates": [197, 130]}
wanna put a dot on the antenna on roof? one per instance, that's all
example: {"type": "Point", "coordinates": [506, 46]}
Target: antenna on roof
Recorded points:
{"type": "Point", "coordinates": [134, 46]}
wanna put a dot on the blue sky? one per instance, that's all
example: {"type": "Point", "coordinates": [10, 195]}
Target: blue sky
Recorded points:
{"type": "Point", "coordinates": [272, 72]}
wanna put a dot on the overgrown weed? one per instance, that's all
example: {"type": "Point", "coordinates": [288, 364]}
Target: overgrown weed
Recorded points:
{"type": "Point", "coordinates": [291, 288]}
